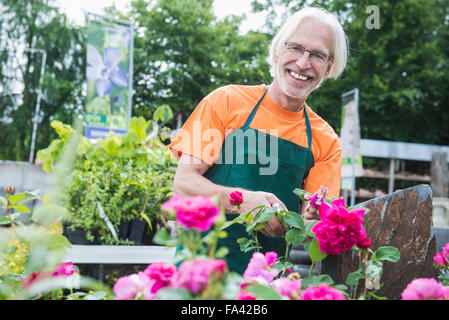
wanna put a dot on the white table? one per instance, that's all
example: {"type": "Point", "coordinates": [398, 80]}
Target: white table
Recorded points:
{"type": "Point", "coordinates": [102, 254]}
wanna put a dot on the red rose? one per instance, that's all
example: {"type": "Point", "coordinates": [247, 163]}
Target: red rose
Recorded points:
{"type": "Point", "coordinates": [364, 243]}
{"type": "Point", "coordinates": [235, 198]}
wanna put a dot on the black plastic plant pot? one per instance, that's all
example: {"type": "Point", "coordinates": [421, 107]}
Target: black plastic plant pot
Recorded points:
{"type": "Point", "coordinates": [76, 237]}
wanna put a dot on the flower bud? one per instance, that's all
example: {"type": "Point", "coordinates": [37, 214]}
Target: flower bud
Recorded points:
{"type": "Point", "coordinates": [9, 190]}
{"type": "Point", "coordinates": [440, 259]}
{"type": "Point", "coordinates": [364, 243]}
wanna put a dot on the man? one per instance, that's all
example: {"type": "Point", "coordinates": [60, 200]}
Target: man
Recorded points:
{"type": "Point", "coordinates": [310, 47]}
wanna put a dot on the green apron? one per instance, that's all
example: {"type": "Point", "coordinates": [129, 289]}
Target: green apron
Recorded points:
{"type": "Point", "coordinates": [293, 165]}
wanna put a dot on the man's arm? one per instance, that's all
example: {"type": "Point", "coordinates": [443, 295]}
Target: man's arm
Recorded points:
{"type": "Point", "coordinates": [189, 181]}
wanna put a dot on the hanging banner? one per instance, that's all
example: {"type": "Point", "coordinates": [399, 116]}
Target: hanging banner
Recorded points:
{"type": "Point", "coordinates": [350, 140]}
{"type": "Point", "coordinates": [109, 74]}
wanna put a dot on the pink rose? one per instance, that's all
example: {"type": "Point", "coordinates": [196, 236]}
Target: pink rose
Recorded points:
{"type": "Point", "coordinates": [161, 273]}
{"type": "Point", "coordinates": [64, 269]}
{"type": "Point", "coordinates": [440, 259]}
{"type": "Point", "coordinates": [423, 289]}
{"type": "Point", "coordinates": [446, 249]}
{"type": "Point", "coordinates": [259, 270]}
{"type": "Point", "coordinates": [322, 292]}
{"type": "Point", "coordinates": [288, 288]}
{"type": "Point", "coordinates": [339, 229]}
{"type": "Point", "coordinates": [318, 197]}
{"type": "Point", "coordinates": [235, 198]}
{"type": "Point", "coordinates": [135, 286]}
{"type": "Point", "coordinates": [195, 275]}
{"type": "Point", "coordinates": [446, 293]}
{"type": "Point", "coordinates": [245, 295]}
{"type": "Point", "coordinates": [194, 212]}
{"type": "Point", "coordinates": [28, 281]}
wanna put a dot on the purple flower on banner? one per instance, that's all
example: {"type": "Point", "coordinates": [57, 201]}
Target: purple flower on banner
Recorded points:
{"type": "Point", "coordinates": [120, 35]}
{"type": "Point", "coordinates": [105, 71]}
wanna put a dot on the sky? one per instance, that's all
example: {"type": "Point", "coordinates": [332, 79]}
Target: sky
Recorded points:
{"type": "Point", "coordinates": [222, 8]}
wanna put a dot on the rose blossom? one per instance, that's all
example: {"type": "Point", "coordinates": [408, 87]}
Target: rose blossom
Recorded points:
{"type": "Point", "coordinates": [64, 269]}
{"type": "Point", "coordinates": [28, 281]}
{"type": "Point", "coordinates": [195, 275]}
{"type": "Point", "coordinates": [446, 249]}
{"type": "Point", "coordinates": [440, 259]}
{"type": "Point", "coordinates": [161, 273]}
{"type": "Point", "coordinates": [446, 293]}
{"type": "Point", "coordinates": [317, 198]}
{"type": "Point", "coordinates": [258, 269]}
{"type": "Point", "coordinates": [339, 229]}
{"type": "Point", "coordinates": [322, 292]}
{"type": "Point", "coordinates": [135, 286]}
{"type": "Point", "coordinates": [245, 295]}
{"type": "Point", "coordinates": [193, 212]}
{"type": "Point", "coordinates": [364, 243]}
{"type": "Point", "coordinates": [235, 198]}
{"type": "Point", "coordinates": [423, 289]}
{"type": "Point", "coordinates": [286, 287]}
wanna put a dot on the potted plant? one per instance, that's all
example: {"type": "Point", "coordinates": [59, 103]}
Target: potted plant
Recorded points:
{"type": "Point", "coordinates": [117, 185]}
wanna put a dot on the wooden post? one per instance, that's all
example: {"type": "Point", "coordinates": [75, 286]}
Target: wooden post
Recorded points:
{"type": "Point", "coordinates": [439, 179]}
{"type": "Point", "coordinates": [391, 177]}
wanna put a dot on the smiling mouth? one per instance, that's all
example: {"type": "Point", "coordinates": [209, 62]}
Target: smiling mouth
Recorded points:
{"type": "Point", "coordinates": [298, 76]}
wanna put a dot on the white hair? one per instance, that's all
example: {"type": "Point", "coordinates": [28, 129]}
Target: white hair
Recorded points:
{"type": "Point", "coordinates": [339, 51]}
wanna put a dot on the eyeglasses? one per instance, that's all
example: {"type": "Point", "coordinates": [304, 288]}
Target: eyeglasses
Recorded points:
{"type": "Point", "coordinates": [315, 57]}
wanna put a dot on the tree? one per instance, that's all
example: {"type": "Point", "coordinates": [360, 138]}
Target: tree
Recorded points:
{"type": "Point", "coordinates": [399, 68]}
{"type": "Point", "coordinates": [36, 24]}
{"type": "Point", "coordinates": [182, 52]}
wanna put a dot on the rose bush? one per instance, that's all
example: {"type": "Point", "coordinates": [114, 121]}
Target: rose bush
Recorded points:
{"type": "Point", "coordinates": [200, 272]}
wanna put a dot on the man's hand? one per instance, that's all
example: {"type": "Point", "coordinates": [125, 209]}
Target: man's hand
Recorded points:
{"type": "Point", "coordinates": [308, 213]}
{"type": "Point", "coordinates": [252, 199]}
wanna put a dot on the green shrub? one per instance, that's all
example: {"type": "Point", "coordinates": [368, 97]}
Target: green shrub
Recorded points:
{"type": "Point", "coordinates": [128, 175]}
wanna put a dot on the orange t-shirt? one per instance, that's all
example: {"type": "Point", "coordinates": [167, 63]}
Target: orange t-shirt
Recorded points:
{"type": "Point", "coordinates": [227, 108]}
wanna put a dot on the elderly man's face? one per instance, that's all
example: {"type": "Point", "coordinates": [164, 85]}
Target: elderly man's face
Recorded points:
{"type": "Point", "coordinates": [298, 75]}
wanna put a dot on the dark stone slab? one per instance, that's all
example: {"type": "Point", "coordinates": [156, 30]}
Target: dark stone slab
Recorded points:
{"type": "Point", "coordinates": [402, 219]}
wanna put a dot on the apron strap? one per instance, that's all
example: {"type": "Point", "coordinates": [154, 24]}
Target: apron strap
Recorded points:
{"type": "Point", "coordinates": [253, 113]}
{"type": "Point", "coordinates": [308, 129]}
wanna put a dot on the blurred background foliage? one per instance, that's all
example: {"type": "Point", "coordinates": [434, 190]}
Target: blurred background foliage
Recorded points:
{"type": "Point", "coordinates": [183, 51]}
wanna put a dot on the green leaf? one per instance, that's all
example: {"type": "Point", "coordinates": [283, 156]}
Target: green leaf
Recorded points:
{"type": "Point", "coordinates": [163, 113]}
{"type": "Point", "coordinates": [294, 220]}
{"type": "Point", "coordinates": [387, 253]}
{"type": "Point", "coordinates": [232, 285]}
{"type": "Point", "coordinates": [98, 295]}
{"type": "Point", "coordinates": [353, 278]}
{"type": "Point", "coordinates": [315, 252]}
{"type": "Point", "coordinates": [374, 269]}
{"type": "Point", "coordinates": [13, 199]}
{"type": "Point", "coordinates": [222, 252]}
{"type": "Point", "coordinates": [21, 208]}
{"type": "Point", "coordinates": [300, 193]}
{"type": "Point", "coordinates": [295, 236]}
{"type": "Point", "coordinates": [227, 224]}
{"type": "Point", "coordinates": [4, 220]}
{"type": "Point", "coordinates": [264, 215]}
{"type": "Point", "coordinates": [139, 126]}
{"type": "Point", "coordinates": [162, 237]}
{"type": "Point", "coordinates": [316, 280]}
{"type": "Point", "coordinates": [173, 294]}
{"type": "Point", "coordinates": [263, 292]}
{"type": "Point", "coordinates": [309, 227]}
